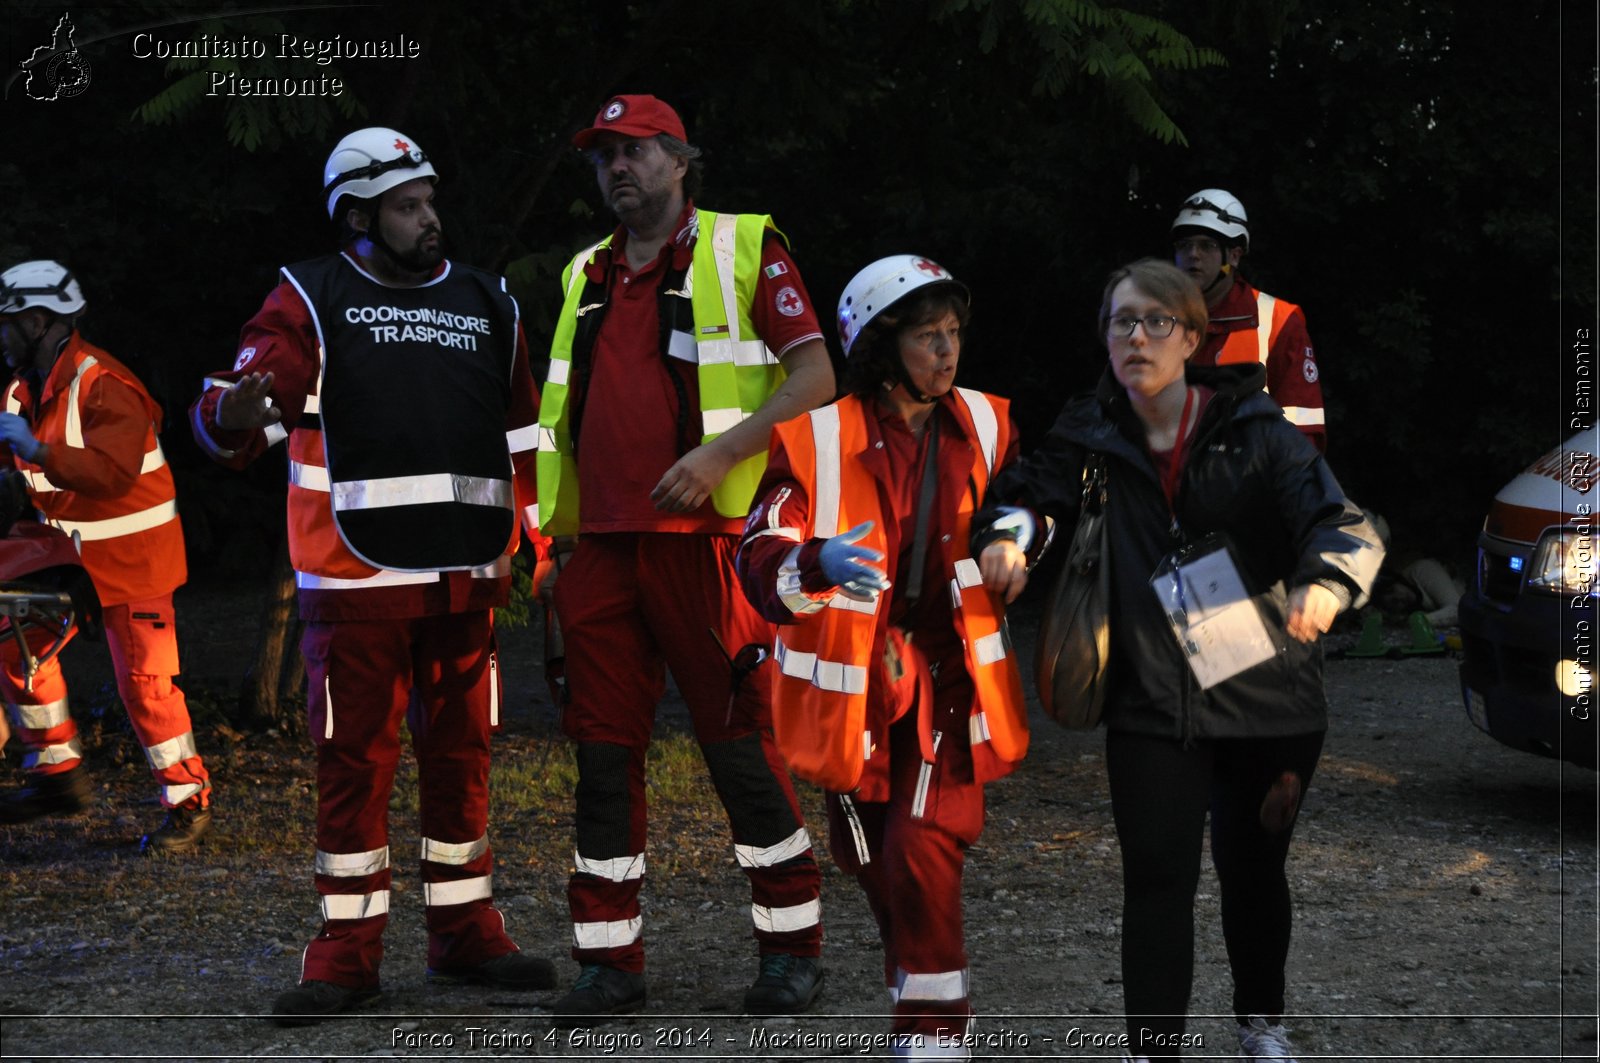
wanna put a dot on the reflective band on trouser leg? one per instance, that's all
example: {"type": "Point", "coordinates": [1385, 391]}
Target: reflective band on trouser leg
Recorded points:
{"type": "Point", "coordinates": [609, 865]}
{"type": "Point", "coordinates": [142, 637]}
{"type": "Point", "coordinates": [59, 755]}
{"type": "Point", "coordinates": [931, 1015]}
{"type": "Point", "coordinates": [785, 920]}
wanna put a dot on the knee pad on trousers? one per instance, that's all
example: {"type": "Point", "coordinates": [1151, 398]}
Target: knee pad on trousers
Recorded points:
{"type": "Point", "coordinates": [757, 805]}
{"type": "Point", "coordinates": [604, 814]}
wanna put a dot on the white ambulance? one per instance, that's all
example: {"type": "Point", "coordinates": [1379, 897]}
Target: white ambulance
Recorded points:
{"type": "Point", "coordinates": [1528, 632]}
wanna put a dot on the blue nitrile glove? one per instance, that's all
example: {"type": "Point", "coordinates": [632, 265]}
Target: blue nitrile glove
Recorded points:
{"type": "Point", "coordinates": [839, 561]}
{"type": "Point", "coordinates": [15, 431]}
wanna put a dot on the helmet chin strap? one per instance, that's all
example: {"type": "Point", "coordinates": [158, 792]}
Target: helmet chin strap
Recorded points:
{"type": "Point", "coordinates": [903, 378]}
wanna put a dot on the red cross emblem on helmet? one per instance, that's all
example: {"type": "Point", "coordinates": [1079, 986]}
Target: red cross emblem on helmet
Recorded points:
{"type": "Point", "coordinates": [932, 269]}
{"type": "Point", "coordinates": [401, 146]}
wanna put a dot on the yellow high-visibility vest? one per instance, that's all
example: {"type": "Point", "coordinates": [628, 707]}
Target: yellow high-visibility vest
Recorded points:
{"type": "Point", "coordinates": [737, 373]}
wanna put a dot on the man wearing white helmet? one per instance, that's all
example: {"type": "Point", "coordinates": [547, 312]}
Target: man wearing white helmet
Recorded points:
{"type": "Point", "coordinates": [897, 690]}
{"type": "Point", "coordinates": [82, 429]}
{"type": "Point", "coordinates": [400, 381]}
{"type": "Point", "coordinates": [684, 337]}
{"type": "Point", "coordinates": [1210, 237]}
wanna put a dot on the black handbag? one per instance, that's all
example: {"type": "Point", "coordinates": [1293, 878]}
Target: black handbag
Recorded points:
{"type": "Point", "coordinates": [1075, 637]}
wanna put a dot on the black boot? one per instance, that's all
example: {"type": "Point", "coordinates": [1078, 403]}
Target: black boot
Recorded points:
{"type": "Point", "coordinates": [66, 793]}
{"type": "Point", "coordinates": [181, 832]}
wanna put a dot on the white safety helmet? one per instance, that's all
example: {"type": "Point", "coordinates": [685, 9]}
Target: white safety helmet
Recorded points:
{"type": "Point", "coordinates": [1218, 211]}
{"type": "Point", "coordinates": [43, 283]}
{"type": "Point", "coordinates": [369, 162]}
{"type": "Point", "coordinates": [881, 285]}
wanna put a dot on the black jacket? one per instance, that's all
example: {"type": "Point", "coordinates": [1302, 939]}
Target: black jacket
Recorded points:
{"type": "Point", "coordinates": [1250, 475]}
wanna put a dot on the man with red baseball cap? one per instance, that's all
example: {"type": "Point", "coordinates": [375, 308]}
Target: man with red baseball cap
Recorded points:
{"type": "Point", "coordinates": [684, 337]}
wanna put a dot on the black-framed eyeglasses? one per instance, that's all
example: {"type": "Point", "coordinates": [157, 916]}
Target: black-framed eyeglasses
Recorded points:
{"type": "Point", "coordinates": [409, 159]}
{"type": "Point", "coordinates": [1156, 326]}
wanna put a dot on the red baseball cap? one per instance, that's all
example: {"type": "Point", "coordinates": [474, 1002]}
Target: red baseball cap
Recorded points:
{"type": "Point", "coordinates": [632, 116]}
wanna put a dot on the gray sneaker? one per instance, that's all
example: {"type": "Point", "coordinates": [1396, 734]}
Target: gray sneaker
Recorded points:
{"type": "Point", "coordinates": [1259, 1039]}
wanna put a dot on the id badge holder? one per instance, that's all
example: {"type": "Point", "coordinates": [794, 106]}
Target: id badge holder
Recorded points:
{"type": "Point", "coordinates": [1210, 612]}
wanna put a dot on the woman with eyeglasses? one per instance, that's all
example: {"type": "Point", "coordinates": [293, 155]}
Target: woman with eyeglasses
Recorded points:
{"type": "Point", "coordinates": [1207, 487]}
{"type": "Point", "coordinates": [896, 690]}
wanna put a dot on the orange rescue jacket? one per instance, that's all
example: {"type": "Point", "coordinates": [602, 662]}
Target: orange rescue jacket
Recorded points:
{"type": "Point", "coordinates": [829, 656]}
{"type": "Point", "coordinates": [127, 529]}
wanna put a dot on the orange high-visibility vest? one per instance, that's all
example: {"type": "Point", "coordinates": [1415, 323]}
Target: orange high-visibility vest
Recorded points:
{"type": "Point", "coordinates": [826, 660]}
{"type": "Point", "coordinates": [132, 545]}
{"type": "Point", "coordinates": [1253, 345]}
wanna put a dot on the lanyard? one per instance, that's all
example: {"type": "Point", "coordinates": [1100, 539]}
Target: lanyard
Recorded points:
{"type": "Point", "coordinates": [1169, 478]}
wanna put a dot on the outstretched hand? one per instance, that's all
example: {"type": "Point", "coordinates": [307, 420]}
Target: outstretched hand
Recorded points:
{"type": "Point", "coordinates": [246, 405]}
{"type": "Point", "coordinates": [843, 562]}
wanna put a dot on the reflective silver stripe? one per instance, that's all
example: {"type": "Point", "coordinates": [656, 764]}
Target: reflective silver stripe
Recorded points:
{"type": "Point", "coordinates": [983, 419]}
{"type": "Point", "coordinates": [717, 421]}
{"type": "Point", "coordinates": [275, 434]}
{"type": "Point", "coordinates": [744, 353]}
{"type": "Point", "coordinates": [327, 706]}
{"type": "Point", "coordinates": [919, 801]}
{"type": "Point", "coordinates": [854, 605]}
{"type": "Point", "coordinates": [977, 728]}
{"type": "Point", "coordinates": [1303, 415]}
{"type": "Point", "coordinates": [116, 527]}
{"type": "Point", "coordinates": [793, 598]}
{"type": "Point", "coordinates": [990, 648]}
{"type": "Point", "coordinates": [212, 382]}
{"type": "Point", "coordinates": [866, 745]}
{"type": "Point", "coordinates": [308, 477]}
{"type": "Point", "coordinates": [857, 835]}
{"type": "Point", "coordinates": [785, 920]}
{"type": "Point", "coordinates": [352, 865]}
{"type": "Point", "coordinates": [60, 753]}
{"type": "Point", "coordinates": [455, 853]}
{"type": "Point", "coordinates": [1264, 307]}
{"type": "Point", "coordinates": [834, 676]}
{"type": "Point", "coordinates": [790, 534]}
{"type": "Point", "coordinates": [606, 935]}
{"type": "Point", "coordinates": [177, 795]}
{"type": "Point", "coordinates": [559, 368]}
{"type": "Point", "coordinates": [494, 689]}
{"type": "Point", "coordinates": [530, 515]}
{"type": "Point", "coordinates": [313, 404]}
{"type": "Point", "coordinates": [41, 717]}
{"type": "Point", "coordinates": [967, 573]}
{"type": "Point", "coordinates": [547, 440]}
{"type": "Point", "coordinates": [461, 891]}
{"type": "Point", "coordinates": [153, 459]}
{"type": "Point", "coordinates": [723, 233]}
{"type": "Point", "coordinates": [940, 985]}
{"type": "Point", "coordinates": [38, 482]}
{"type": "Point", "coordinates": [171, 752]}
{"type": "Point", "coordinates": [385, 578]}
{"type": "Point", "coordinates": [521, 439]}
{"type": "Point", "coordinates": [13, 404]}
{"type": "Point", "coordinates": [825, 439]}
{"type": "Point", "coordinates": [500, 566]}
{"type": "Point", "coordinates": [796, 844]}
{"type": "Point", "coordinates": [614, 869]}
{"type": "Point", "coordinates": [355, 905]}
{"type": "Point", "coordinates": [74, 428]}
{"type": "Point", "coordinates": [421, 490]}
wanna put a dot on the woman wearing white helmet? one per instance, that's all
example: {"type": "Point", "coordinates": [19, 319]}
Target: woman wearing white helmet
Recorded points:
{"type": "Point", "coordinates": [896, 689]}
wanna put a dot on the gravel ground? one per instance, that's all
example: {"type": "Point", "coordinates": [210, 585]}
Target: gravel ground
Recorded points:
{"type": "Point", "coordinates": [1445, 887]}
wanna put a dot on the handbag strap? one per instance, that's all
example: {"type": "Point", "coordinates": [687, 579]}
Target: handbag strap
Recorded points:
{"type": "Point", "coordinates": [1094, 483]}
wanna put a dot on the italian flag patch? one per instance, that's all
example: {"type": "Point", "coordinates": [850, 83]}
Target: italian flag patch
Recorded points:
{"type": "Point", "coordinates": [777, 269]}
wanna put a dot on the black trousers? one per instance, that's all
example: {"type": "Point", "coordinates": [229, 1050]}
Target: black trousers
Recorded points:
{"type": "Point", "coordinates": [1160, 794]}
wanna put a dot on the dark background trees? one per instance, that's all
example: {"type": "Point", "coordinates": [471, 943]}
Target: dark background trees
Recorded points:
{"type": "Point", "coordinates": [1420, 177]}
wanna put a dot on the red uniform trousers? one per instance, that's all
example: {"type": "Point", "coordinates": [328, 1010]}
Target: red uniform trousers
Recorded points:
{"type": "Point", "coordinates": [908, 854]}
{"type": "Point", "coordinates": [44, 725]}
{"type": "Point", "coordinates": [362, 674]}
{"type": "Point", "coordinates": [143, 640]}
{"type": "Point", "coordinates": [630, 606]}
